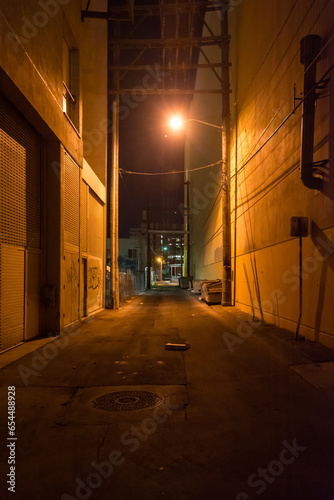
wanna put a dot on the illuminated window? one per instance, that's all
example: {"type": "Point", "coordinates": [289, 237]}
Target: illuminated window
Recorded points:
{"type": "Point", "coordinates": [71, 84]}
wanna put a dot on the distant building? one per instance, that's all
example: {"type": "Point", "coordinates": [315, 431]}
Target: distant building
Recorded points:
{"type": "Point", "coordinates": [169, 248]}
{"type": "Point", "coordinates": [53, 129]}
{"type": "Point", "coordinates": [166, 235]}
{"type": "Point", "coordinates": [130, 254]}
{"type": "Point", "coordinates": [136, 233]}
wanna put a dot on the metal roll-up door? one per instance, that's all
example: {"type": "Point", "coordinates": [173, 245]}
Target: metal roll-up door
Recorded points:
{"type": "Point", "coordinates": [71, 201]}
{"type": "Point", "coordinates": [12, 295]}
{"type": "Point", "coordinates": [20, 165]}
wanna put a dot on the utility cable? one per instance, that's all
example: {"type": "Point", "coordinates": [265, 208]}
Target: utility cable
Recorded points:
{"type": "Point", "coordinates": [268, 53]}
{"type": "Point", "coordinates": [278, 83]}
{"type": "Point", "coordinates": [121, 170]}
{"type": "Point", "coordinates": [285, 119]}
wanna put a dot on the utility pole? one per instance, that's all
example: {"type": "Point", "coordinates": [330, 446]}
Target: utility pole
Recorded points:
{"type": "Point", "coordinates": [114, 285]}
{"type": "Point", "coordinates": [226, 168]}
{"type": "Point", "coordinates": [187, 228]}
{"type": "Point", "coordinates": [148, 243]}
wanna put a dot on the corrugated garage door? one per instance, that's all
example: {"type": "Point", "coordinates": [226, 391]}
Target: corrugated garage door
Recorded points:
{"type": "Point", "coordinates": [71, 202]}
{"type": "Point", "coordinates": [20, 159]}
{"type": "Point", "coordinates": [12, 295]}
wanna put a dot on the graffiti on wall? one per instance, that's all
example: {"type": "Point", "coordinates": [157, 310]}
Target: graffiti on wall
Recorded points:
{"type": "Point", "coordinates": [71, 272]}
{"type": "Point", "coordinates": [94, 277]}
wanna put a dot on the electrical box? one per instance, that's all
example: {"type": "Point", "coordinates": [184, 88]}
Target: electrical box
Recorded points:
{"type": "Point", "coordinates": [299, 226]}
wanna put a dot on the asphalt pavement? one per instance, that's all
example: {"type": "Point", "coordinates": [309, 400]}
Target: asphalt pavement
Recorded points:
{"type": "Point", "coordinates": [106, 412]}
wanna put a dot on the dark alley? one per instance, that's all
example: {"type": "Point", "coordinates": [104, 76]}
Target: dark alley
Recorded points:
{"type": "Point", "coordinates": [226, 408]}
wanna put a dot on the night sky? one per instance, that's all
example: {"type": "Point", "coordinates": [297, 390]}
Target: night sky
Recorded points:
{"type": "Point", "coordinates": [143, 126]}
{"type": "Point", "coordinates": [144, 147]}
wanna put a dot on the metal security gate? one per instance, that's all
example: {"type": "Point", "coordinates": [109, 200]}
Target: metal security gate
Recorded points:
{"type": "Point", "coordinates": [20, 235]}
{"type": "Point", "coordinates": [71, 269]}
{"type": "Point", "coordinates": [12, 295]}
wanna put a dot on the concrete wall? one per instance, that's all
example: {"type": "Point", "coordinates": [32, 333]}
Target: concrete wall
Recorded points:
{"type": "Point", "coordinates": [31, 56]}
{"type": "Point", "coordinates": [266, 63]}
{"type": "Point", "coordinates": [94, 89]}
{"type": "Point", "coordinates": [203, 147]}
{"type": "Point", "coordinates": [265, 176]}
{"type": "Point", "coordinates": [31, 77]}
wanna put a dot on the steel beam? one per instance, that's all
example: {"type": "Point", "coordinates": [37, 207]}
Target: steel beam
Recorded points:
{"type": "Point", "coordinates": [166, 67]}
{"type": "Point", "coordinates": [168, 43]}
{"type": "Point", "coordinates": [143, 91]}
{"type": "Point", "coordinates": [167, 231]}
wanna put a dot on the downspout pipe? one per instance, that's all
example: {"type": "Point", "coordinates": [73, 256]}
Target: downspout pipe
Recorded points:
{"type": "Point", "coordinates": [309, 50]}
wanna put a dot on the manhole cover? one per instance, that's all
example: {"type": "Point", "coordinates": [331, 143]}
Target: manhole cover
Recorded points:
{"type": "Point", "coordinates": [127, 400]}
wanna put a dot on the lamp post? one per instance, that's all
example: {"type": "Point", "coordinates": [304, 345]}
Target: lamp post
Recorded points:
{"type": "Point", "coordinates": [176, 123]}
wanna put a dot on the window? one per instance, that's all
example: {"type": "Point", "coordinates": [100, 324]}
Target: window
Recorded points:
{"type": "Point", "coordinates": [71, 84]}
{"type": "Point", "coordinates": [132, 253]}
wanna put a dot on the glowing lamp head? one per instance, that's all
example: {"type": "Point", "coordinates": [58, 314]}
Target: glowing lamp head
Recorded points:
{"type": "Point", "coordinates": [176, 122]}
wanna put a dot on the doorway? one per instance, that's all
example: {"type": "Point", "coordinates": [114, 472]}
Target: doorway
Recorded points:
{"type": "Point", "coordinates": [85, 287]}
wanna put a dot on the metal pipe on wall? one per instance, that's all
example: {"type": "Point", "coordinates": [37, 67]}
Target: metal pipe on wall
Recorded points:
{"type": "Point", "coordinates": [309, 50]}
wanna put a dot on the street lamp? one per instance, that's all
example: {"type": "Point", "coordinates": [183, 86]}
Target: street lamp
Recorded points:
{"type": "Point", "coordinates": [176, 123]}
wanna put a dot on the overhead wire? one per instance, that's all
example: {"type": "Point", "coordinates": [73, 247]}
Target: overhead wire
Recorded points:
{"type": "Point", "coordinates": [268, 53]}
{"type": "Point", "coordinates": [266, 128]}
{"type": "Point", "coordinates": [267, 188]}
{"type": "Point", "coordinates": [287, 174]}
{"type": "Point", "coordinates": [256, 152]}
{"type": "Point", "coordinates": [132, 198]}
{"type": "Point", "coordinates": [121, 170]}
{"type": "Point", "coordinates": [210, 212]}
{"type": "Point", "coordinates": [262, 91]}
{"type": "Point", "coordinates": [288, 116]}
{"type": "Point", "coordinates": [265, 87]}
{"type": "Point", "coordinates": [272, 73]}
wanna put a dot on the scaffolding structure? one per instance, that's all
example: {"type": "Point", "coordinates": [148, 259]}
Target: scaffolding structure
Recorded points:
{"type": "Point", "coordinates": [163, 40]}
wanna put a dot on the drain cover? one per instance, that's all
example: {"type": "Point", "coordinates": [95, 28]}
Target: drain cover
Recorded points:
{"type": "Point", "coordinates": [127, 400]}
